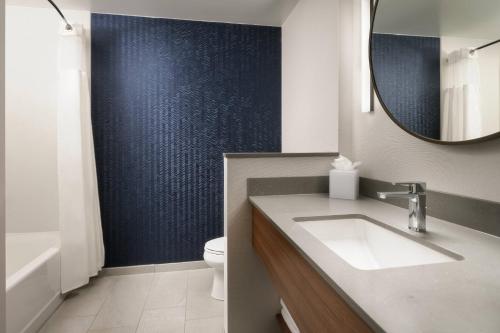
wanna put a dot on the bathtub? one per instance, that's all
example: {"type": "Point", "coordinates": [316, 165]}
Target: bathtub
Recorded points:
{"type": "Point", "coordinates": [33, 279]}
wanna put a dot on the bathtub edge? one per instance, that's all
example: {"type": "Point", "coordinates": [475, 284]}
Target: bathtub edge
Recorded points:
{"type": "Point", "coordinates": [37, 323]}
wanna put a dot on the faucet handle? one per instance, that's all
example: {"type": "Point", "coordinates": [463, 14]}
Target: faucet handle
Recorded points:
{"type": "Point", "coordinates": [415, 187]}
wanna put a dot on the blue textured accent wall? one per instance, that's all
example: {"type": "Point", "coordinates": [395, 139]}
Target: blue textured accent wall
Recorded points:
{"type": "Point", "coordinates": [407, 71]}
{"type": "Point", "coordinates": [169, 97]}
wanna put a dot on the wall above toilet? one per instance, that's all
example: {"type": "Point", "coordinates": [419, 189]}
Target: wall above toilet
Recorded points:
{"type": "Point", "coordinates": [169, 97]}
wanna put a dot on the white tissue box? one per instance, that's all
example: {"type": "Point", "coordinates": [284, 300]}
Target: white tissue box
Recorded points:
{"type": "Point", "coordinates": [344, 184]}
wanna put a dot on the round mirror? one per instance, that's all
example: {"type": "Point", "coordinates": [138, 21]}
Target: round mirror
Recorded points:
{"type": "Point", "coordinates": [436, 67]}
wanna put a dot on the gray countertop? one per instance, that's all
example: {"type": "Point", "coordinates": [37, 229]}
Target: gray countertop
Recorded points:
{"type": "Point", "coordinates": [461, 296]}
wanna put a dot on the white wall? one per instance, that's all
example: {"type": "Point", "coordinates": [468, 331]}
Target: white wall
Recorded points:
{"type": "Point", "coordinates": [311, 77]}
{"type": "Point", "coordinates": [252, 303]}
{"type": "Point", "coordinates": [349, 65]}
{"type": "Point", "coordinates": [489, 72]}
{"type": "Point", "coordinates": [31, 105]}
{"type": "Point", "coordinates": [2, 166]}
{"type": "Point", "coordinates": [390, 154]}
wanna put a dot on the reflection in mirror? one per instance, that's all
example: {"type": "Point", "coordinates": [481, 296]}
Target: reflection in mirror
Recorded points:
{"type": "Point", "coordinates": [436, 66]}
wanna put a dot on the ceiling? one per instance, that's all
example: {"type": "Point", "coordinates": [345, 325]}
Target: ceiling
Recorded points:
{"type": "Point", "coordinates": [63, 4]}
{"type": "Point", "coordinates": [257, 12]}
{"type": "Point", "coordinates": [458, 18]}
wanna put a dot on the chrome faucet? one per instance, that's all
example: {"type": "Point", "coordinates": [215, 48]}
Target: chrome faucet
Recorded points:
{"type": "Point", "coordinates": [417, 203]}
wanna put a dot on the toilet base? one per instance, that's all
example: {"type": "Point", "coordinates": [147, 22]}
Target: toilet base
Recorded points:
{"type": "Point", "coordinates": [218, 285]}
{"type": "Point", "coordinates": [217, 263]}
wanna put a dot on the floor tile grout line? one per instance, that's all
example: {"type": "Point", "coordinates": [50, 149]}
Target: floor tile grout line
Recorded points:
{"type": "Point", "coordinates": [59, 307]}
{"type": "Point", "coordinates": [145, 300]}
{"type": "Point", "coordinates": [198, 293]}
{"type": "Point", "coordinates": [115, 278]}
{"type": "Point", "coordinates": [109, 290]}
{"type": "Point", "coordinates": [108, 295]}
{"type": "Point", "coordinates": [203, 318]}
{"type": "Point", "coordinates": [189, 272]}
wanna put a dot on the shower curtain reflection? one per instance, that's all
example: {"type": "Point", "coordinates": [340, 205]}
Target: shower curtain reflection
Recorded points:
{"type": "Point", "coordinates": [461, 119]}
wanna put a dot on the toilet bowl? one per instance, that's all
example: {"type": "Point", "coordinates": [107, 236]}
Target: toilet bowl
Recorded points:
{"type": "Point", "coordinates": [214, 257]}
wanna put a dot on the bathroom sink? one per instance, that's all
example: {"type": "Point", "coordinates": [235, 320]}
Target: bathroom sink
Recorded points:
{"type": "Point", "coordinates": [367, 244]}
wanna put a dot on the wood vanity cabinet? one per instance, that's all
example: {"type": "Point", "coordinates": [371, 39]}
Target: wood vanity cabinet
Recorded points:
{"type": "Point", "coordinates": [315, 306]}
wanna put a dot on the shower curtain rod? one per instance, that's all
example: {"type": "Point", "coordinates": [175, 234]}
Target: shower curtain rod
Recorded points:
{"type": "Point", "coordinates": [485, 46]}
{"type": "Point", "coordinates": [68, 26]}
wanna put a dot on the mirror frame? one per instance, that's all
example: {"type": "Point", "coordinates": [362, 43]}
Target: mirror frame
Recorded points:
{"type": "Point", "coordinates": [391, 116]}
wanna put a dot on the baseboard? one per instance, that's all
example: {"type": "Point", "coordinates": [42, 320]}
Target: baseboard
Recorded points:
{"type": "Point", "coordinates": [127, 270]}
{"type": "Point", "coordinates": [181, 266]}
{"type": "Point", "coordinates": [157, 268]}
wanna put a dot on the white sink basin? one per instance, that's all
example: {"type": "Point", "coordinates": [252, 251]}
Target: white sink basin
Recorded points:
{"type": "Point", "coordinates": [367, 244]}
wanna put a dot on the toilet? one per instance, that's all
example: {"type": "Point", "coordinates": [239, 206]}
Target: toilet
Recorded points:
{"type": "Point", "coordinates": [214, 257]}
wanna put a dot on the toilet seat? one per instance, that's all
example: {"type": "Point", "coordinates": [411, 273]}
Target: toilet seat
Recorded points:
{"type": "Point", "coordinates": [216, 246]}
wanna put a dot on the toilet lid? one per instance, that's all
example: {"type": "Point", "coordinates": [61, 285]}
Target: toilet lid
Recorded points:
{"type": "Point", "coordinates": [216, 246]}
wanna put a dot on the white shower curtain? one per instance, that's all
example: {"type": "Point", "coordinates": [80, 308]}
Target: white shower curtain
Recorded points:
{"type": "Point", "coordinates": [461, 111]}
{"type": "Point", "coordinates": [82, 248]}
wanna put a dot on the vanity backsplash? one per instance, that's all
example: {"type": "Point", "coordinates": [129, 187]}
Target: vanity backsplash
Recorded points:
{"type": "Point", "coordinates": [477, 214]}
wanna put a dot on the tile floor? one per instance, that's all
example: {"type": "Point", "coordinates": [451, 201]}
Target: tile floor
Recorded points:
{"type": "Point", "coordinates": [173, 302]}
